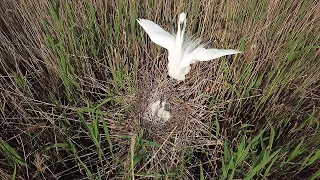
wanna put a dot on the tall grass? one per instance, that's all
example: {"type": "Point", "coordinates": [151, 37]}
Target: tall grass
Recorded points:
{"type": "Point", "coordinates": [75, 75]}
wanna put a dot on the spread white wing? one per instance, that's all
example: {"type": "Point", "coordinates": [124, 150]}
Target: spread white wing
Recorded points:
{"type": "Point", "coordinates": [203, 54]}
{"type": "Point", "coordinates": [157, 34]}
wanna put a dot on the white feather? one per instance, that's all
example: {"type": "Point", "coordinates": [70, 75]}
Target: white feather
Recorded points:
{"type": "Point", "coordinates": [157, 34]}
{"type": "Point", "coordinates": [203, 54]}
{"type": "Point", "coordinates": [182, 52]}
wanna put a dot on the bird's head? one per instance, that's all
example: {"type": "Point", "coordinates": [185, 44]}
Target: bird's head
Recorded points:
{"type": "Point", "coordinates": [182, 17]}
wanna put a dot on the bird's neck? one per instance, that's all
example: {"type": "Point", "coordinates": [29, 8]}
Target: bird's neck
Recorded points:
{"type": "Point", "coordinates": [180, 33]}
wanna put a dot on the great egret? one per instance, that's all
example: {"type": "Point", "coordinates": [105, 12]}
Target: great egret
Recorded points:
{"type": "Point", "coordinates": [182, 51]}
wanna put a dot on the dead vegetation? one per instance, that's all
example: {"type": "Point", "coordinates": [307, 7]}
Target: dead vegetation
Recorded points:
{"type": "Point", "coordinates": [76, 78]}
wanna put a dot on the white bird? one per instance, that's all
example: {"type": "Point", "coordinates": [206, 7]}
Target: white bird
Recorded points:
{"type": "Point", "coordinates": [182, 51]}
{"type": "Point", "coordinates": [158, 109]}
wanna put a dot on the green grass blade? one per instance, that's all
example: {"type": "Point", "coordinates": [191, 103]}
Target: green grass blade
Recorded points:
{"type": "Point", "coordinates": [316, 175]}
{"type": "Point", "coordinates": [260, 166]}
{"type": "Point", "coordinates": [11, 153]}
{"type": "Point", "coordinates": [14, 173]}
{"type": "Point", "coordinates": [296, 151]}
{"type": "Point", "coordinates": [201, 173]}
{"type": "Point", "coordinates": [106, 132]}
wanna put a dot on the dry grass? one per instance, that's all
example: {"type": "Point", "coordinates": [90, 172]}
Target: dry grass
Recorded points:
{"type": "Point", "coordinates": [76, 79]}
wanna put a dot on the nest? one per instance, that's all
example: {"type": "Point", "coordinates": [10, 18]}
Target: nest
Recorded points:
{"type": "Point", "coordinates": [172, 114]}
{"type": "Point", "coordinates": [158, 105]}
